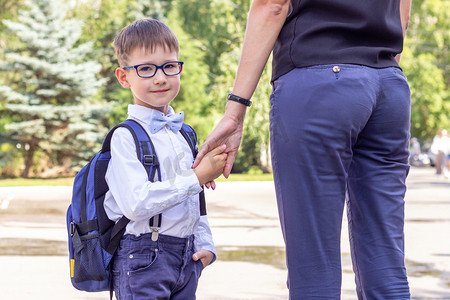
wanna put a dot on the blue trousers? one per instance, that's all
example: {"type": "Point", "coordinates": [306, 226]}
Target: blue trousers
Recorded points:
{"type": "Point", "coordinates": [161, 270]}
{"type": "Point", "coordinates": [342, 132]}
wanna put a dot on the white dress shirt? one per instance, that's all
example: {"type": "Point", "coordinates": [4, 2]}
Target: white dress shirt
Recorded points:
{"type": "Point", "coordinates": [176, 196]}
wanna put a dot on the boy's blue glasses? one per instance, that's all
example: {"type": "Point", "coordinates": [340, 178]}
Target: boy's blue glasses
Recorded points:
{"type": "Point", "coordinates": [170, 68]}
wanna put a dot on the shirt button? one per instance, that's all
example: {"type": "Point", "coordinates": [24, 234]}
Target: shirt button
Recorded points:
{"type": "Point", "coordinates": [131, 255]}
{"type": "Point", "coordinates": [189, 193]}
{"type": "Point", "coordinates": [336, 69]}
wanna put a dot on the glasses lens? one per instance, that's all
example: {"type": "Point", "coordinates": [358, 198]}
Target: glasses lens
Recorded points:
{"type": "Point", "coordinates": [146, 70]}
{"type": "Point", "coordinates": [172, 68]}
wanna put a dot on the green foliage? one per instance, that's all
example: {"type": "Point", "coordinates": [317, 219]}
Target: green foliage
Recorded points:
{"type": "Point", "coordinates": [430, 31]}
{"type": "Point", "coordinates": [9, 160]}
{"type": "Point", "coordinates": [217, 27]}
{"type": "Point", "coordinates": [8, 10]}
{"type": "Point", "coordinates": [427, 95]}
{"type": "Point", "coordinates": [426, 63]}
{"type": "Point", "coordinates": [50, 86]}
{"type": "Point", "coordinates": [193, 98]}
{"type": "Point", "coordinates": [213, 24]}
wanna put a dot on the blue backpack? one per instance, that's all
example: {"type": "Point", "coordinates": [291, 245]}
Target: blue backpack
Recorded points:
{"type": "Point", "coordinates": [93, 237]}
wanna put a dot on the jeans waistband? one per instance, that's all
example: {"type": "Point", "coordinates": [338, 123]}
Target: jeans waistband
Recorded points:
{"type": "Point", "coordinates": [130, 241]}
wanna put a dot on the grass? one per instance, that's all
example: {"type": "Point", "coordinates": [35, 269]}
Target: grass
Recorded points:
{"type": "Point", "coordinates": [247, 177]}
{"type": "Point", "coordinates": [68, 181]}
{"type": "Point", "coordinates": [64, 181]}
{"type": "Point", "coordinates": [274, 256]}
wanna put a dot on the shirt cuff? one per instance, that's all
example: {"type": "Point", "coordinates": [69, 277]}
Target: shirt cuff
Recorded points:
{"type": "Point", "coordinates": [189, 181]}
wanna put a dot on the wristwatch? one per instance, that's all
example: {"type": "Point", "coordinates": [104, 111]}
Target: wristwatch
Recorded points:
{"type": "Point", "coordinates": [232, 97]}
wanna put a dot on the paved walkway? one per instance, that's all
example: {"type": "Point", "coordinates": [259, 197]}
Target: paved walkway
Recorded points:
{"type": "Point", "coordinates": [243, 218]}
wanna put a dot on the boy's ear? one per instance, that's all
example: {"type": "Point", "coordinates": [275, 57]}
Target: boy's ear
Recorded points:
{"type": "Point", "coordinates": [121, 76]}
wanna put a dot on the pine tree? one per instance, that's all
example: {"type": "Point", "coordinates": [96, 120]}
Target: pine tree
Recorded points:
{"type": "Point", "coordinates": [49, 95]}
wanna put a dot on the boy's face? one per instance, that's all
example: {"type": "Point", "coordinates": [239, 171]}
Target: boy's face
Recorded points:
{"type": "Point", "coordinates": [155, 92]}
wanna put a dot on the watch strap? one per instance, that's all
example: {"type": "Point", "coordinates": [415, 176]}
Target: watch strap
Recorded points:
{"type": "Point", "coordinates": [232, 97]}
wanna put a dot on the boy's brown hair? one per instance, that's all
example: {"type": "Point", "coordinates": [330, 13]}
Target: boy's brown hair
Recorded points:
{"type": "Point", "coordinates": [146, 34]}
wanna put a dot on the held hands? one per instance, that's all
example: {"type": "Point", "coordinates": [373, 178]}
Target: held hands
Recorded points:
{"type": "Point", "coordinates": [228, 132]}
{"type": "Point", "coordinates": [211, 165]}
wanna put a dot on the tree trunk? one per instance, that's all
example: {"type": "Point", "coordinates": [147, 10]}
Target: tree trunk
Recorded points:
{"type": "Point", "coordinates": [29, 159]}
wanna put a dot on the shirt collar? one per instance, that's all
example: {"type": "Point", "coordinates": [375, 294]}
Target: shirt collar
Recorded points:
{"type": "Point", "coordinates": [143, 113]}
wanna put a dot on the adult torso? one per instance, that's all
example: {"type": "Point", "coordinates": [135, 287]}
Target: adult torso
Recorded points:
{"type": "Point", "coordinates": [364, 32]}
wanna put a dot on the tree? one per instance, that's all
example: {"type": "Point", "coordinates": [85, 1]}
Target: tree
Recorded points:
{"type": "Point", "coordinates": [8, 10]}
{"type": "Point", "coordinates": [426, 63]}
{"type": "Point", "coordinates": [426, 80]}
{"type": "Point", "coordinates": [218, 28]}
{"type": "Point", "coordinates": [429, 32]}
{"type": "Point", "coordinates": [50, 87]}
{"type": "Point", "coordinates": [214, 25]}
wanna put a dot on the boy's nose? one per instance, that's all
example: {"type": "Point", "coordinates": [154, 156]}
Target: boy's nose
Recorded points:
{"type": "Point", "coordinates": [159, 76]}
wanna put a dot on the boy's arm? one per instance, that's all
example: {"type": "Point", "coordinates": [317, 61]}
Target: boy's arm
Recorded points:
{"type": "Point", "coordinates": [128, 182]}
{"type": "Point", "coordinates": [203, 238]}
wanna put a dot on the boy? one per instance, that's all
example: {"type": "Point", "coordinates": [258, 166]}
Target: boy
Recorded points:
{"type": "Point", "coordinates": [166, 266]}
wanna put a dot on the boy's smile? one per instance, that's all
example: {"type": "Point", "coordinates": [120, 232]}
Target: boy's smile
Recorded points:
{"type": "Point", "coordinates": [155, 92]}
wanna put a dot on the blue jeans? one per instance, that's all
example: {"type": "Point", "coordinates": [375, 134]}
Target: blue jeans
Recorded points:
{"type": "Point", "coordinates": [144, 269]}
{"type": "Point", "coordinates": [342, 133]}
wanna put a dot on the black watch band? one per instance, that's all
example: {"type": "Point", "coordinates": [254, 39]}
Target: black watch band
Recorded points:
{"type": "Point", "coordinates": [232, 97]}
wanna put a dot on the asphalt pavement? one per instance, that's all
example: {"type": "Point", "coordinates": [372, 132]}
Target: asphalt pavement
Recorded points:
{"type": "Point", "coordinates": [244, 222]}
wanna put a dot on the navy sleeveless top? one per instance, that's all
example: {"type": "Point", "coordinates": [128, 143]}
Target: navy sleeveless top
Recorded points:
{"type": "Point", "coordinates": [317, 32]}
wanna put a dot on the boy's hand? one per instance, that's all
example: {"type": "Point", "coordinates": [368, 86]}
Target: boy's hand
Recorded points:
{"type": "Point", "coordinates": [211, 165]}
{"type": "Point", "coordinates": [205, 256]}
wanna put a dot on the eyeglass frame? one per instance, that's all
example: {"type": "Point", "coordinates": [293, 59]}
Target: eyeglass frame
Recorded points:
{"type": "Point", "coordinates": [157, 67]}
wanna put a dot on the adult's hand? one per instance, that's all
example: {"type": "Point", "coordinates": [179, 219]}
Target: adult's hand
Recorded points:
{"type": "Point", "coordinates": [228, 132]}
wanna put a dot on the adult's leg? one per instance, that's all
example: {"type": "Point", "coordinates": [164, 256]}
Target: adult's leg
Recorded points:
{"type": "Point", "coordinates": [439, 162]}
{"type": "Point", "coordinates": [376, 192]}
{"type": "Point", "coordinates": [315, 119]}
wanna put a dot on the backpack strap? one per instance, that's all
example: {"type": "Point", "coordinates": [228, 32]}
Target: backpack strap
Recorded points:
{"type": "Point", "coordinates": [191, 138]}
{"type": "Point", "coordinates": [150, 161]}
{"type": "Point", "coordinates": [146, 154]}
{"type": "Point", "coordinates": [144, 147]}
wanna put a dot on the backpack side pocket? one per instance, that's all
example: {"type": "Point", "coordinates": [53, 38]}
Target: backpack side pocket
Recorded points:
{"type": "Point", "coordinates": [88, 258]}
